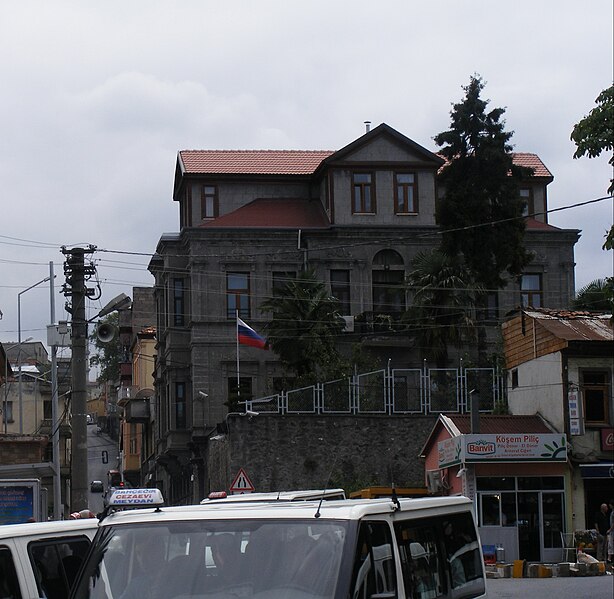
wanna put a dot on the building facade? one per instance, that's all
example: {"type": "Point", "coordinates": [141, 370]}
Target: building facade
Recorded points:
{"type": "Point", "coordinates": [251, 220]}
{"type": "Point", "coordinates": [561, 366]}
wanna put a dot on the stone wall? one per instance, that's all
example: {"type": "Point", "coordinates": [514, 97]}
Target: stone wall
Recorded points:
{"type": "Point", "coordinates": [301, 452]}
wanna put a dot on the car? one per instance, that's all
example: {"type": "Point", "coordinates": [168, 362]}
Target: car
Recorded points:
{"type": "Point", "coordinates": [42, 559]}
{"type": "Point", "coordinates": [90, 419]}
{"type": "Point", "coordinates": [96, 486]}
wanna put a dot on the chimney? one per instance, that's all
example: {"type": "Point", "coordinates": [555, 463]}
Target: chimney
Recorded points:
{"type": "Point", "coordinates": [474, 394]}
{"type": "Point", "coordinates": [367, 126]}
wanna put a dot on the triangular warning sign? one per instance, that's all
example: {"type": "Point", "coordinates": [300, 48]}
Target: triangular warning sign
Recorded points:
{"type": "Point", "coordinates": [241, 483]}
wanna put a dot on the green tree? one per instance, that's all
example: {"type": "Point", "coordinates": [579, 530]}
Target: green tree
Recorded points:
{"type": "Point", "coordinates": [593, 135]}
{"type": "Point", "coordinates": [481, 211]}
{"type": "Point", "coordinates": [106, 355]}
{"type": "Point", "coordinates": [305, 324]}
{"type": "Point", "coordinates": [598, 296]}
{"type": "Point", "coordinates": [444, 298]}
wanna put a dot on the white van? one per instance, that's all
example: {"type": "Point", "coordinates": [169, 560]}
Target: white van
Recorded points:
{"type": "Point", "coordinates": [359, 549]}
{"type": "Point", "coordinates": [41, 559]}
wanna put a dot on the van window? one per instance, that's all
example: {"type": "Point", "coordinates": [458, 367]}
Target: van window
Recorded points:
{"type": "Point", "coordinates": [221, 558]}
{"type": "Point", "coordinates": [55, 563]}
{"type": "Point", "coordinates": [374, 569]}
{"type": "Point", "coordinates": [440, 557]}
{"type": "Point", "coordinates": [9, 585]}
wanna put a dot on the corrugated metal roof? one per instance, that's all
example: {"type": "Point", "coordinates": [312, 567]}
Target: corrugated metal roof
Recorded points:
{"type": "Point", "coordinates": [508, 424]}
{"type": "Point", "coordinates": [574, 325]}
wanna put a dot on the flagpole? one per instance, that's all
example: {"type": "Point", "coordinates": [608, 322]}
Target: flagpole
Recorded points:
{"type": "Point", "coordinates": [238, 374]}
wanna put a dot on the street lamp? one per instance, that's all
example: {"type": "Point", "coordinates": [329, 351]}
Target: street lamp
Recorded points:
{"type": "Point", "coordinates": [19, 343]}
{"type": "Point", "coordinates": [6, 387]}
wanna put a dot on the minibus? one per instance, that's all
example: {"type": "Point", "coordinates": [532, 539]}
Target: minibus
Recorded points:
{"type": "Point", "coordinates": [346, 549]}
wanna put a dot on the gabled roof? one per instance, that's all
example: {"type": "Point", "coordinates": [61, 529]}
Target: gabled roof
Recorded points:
{"type": "Point", "coordinates": [386, 130]}
{"type": "Point", "coordinates": [291, 213]}
{"type": "Point", "coordinates": [251, 162]}
{"type": "Point", "coordinates": [533, 225]}
{"type": "Point", "coordinates": [532, 161]}
{"type": "Point", "coordinates": [460, 424]}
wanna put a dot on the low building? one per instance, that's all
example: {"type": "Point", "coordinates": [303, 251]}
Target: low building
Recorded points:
{"type": "Point", "coordinates": [515, 470]}
{"type": "Point", "coordinates": [560, 365]}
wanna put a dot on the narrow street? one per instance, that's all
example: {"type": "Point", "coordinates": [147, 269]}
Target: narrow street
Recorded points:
{"type": "Point", "coordinates": [97, 469]}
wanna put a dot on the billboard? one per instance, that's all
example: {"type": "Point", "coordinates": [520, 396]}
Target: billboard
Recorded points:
{"type": "Point", "coordinates": [19, 500]}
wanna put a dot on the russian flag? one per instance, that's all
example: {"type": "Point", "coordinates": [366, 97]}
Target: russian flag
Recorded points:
{"type": "Point", "coordinates": [247, 336]}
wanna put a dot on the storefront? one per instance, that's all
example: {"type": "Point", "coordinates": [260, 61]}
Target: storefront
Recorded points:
{"type": "Point", "coordinates": [515, 472]}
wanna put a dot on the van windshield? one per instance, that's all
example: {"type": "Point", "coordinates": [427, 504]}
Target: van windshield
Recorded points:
{"type": "Point", "coordinates": [206, 559]}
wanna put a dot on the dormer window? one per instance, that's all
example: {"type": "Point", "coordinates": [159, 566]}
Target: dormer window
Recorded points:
{"type": "Point", "coordinates": [363, 186]}
{"type": "Point", "coordinates": [526, 195]}
{"type": "Point", "coordinates": [208, 201]}
{"type": "Point", "coordinates": [405, 193]}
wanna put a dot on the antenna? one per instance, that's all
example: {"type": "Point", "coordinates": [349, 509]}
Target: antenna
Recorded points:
{"type": "Point", "coordinates": [317, 514]}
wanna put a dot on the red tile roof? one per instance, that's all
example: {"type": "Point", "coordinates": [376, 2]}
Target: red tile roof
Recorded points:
{"type": "Point", "coordinates": [252, 162]}
{"type": "Point", "coordinates": [288, 162]}
{"type": "Point", "coordinates": [533, 223]}
{"type": "Point", "coordinates": [532, 161]}
{"type": "Point", "coordinates": [291, 213]}
{"type": "Point", "coordinates": [491, 425]}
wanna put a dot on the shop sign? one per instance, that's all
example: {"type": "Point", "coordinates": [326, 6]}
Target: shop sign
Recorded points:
{"type": "Point", "coordinates": [515, 447]}
{"type": "Point", "coordinates": [575, 416]}
{"type": "Point", "coordinates": [449, 452]}
{"type": "Point", "coordinates": [527, 447]}
{"type": "Point", "coordinates": [607, 439]}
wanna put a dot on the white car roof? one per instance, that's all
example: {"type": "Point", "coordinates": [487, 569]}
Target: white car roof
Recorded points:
{"type": "Point", "coordinates": [345, 509]}
{"type": "Point", "coordinates": [310, 494]}
{"type": "Point", "coordinates": [55, 527]}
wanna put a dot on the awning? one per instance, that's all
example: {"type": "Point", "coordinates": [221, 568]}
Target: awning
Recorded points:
{"type": "Point", "coordinates": [600, 470]}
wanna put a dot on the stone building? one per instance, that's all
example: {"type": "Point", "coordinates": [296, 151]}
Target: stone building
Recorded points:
{"type": "Point", "coordinates": [251, 220]}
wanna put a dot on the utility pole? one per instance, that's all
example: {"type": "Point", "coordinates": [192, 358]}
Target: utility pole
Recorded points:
{"type": "Point", "coordinates": [77, 273]}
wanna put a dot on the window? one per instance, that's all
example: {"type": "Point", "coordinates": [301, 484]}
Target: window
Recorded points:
{"type": "Point", "coordinates": [363, 200]}
{"type": "Point", "coordinates": [489, 311]}
{"type": "Point", "coordinates": [515, 378]}
{"type": "Point", "coordinates": [180, 418]}
{"type": "Point", "coordinates": [388, 280]}
{"type": "Point", "coordinates": [178, 302]}
{"type": "Point", "coordinates": [208, 201]}
{"type": "Point", "coordinates": [47, 410]}
{"type": "Point", "coordinates": [9, 585]}
{"type": "Point", "coordinates": [340, 289]}
{"type": "Point", "coordinates": [56, 564]}
{"type": "Point", "coordinates": [531, 292]}
{"type": "Point", "coordinates": [439, 553]}
{"type": "Point", "coordinates": [405, 193]}
{"type": "Point", "coordinates": [595, 394]}
{"type": "Point", "coordinates": [281, 278]}
{"type": "Point", "coordinates": [526, 195]}
{"type": "Point", "coordinates": [374, 570]}
{"type": "Point", "coordinates": [7, 414]}
{"type": "Point", "coordinates": [237, 294]}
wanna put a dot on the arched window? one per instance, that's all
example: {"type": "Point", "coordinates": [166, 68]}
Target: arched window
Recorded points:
{"type": "Point", "coordinates": [388, 281]}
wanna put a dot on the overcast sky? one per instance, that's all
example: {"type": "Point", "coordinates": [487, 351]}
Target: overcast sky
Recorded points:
{"type": "Point", "coordinates": [96, 98]}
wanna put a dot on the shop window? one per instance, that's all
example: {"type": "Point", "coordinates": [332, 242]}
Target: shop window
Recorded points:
{"type": "Point", "coordinates": [490, 513]}
{"type": "Point", "coordinates": [595, 395]}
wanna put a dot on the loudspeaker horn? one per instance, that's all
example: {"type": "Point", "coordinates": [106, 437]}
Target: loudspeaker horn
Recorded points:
{"type": "Point", "coordinates": [106, 332]}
